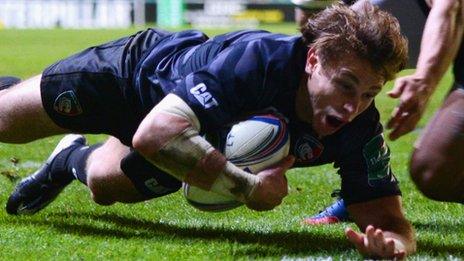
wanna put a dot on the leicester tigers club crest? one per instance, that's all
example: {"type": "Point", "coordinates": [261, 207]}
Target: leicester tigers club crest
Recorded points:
{"type": "Point", "coordinates": [307, 149]}
{"type": "Point", "coordinates": [67, 104]}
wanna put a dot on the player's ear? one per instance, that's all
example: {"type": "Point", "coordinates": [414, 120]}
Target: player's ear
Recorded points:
{"type": "Point", "coordinates": [311, 61]}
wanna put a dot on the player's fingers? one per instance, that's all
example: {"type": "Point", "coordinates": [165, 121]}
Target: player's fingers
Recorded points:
{"type": "Point", "coordinates": [357, 239]}
{"type": "Point", "coordinates": [407, 103]}
{"type": "Point", "coordinates": [404, 126]}
{"type": "Point", "coordinates": [378, 234]}
{"type": "Point", "coordinates": [370, 237]}
{"type": "Point", "coordinates": [389, 247]}
{"type": "Point", "coordinates": [397, 89]}
{"type": "Point", "coordinates": [395, 134]}
{"type": "Point", "coordinates": [379, 241]}
{"type": "Point", "coordinates": [353, 236]}
{"type": "Point", "coordinates": [393, 118]}
{"type": "Point", "coordinates": [399, 112]}
{"type": "Point", "coordinates": [399, 120]}
{"type": "Point", "coordinates": [286, 163]}
{"type": "Point", "coordinates": [400, 255]}
{"type": "Point", "coordinates": [370, 230]}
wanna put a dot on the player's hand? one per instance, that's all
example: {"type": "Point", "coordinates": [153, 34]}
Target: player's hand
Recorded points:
{"type": "Point", "coordinates": [374, 244]}
{"type": "Point", "coordinates": [413, 93]}
{"type": "Point", "coordinates": [272, 186]}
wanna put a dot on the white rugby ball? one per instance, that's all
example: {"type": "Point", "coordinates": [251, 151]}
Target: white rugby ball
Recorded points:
{"type": "Point", "coordinates": [253, 145]}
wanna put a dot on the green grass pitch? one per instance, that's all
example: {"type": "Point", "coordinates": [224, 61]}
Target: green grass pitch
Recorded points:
{"type": "Point", "coordinates": [73, 227]}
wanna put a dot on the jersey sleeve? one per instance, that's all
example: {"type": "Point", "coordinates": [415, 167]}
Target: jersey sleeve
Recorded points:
{"type": "Point", "coordinates": [364, 161]}
{"type": "Point", "coordinates": [231, 84]}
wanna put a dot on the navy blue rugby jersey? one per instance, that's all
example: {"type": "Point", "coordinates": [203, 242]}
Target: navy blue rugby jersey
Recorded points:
{"type": "Point", "coordinates": [358, 151]}
{"type": "Point", "coordinates": [237, 74]}
{"type": "Point", "coordinates": [225, 77]}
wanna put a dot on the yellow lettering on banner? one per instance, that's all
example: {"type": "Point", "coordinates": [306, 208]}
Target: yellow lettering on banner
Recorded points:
{"type": "Point", "coordinates": [265, 16]}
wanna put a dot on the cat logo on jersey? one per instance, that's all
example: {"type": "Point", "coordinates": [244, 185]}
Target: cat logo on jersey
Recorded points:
{"type": "Point", "coordinates": [307, 149]}
{"type": "Point", "coordinates": [377, 156]}
{"type": "Point", "coordinates": [203, 96]}
{"type": "Point", "coordinates": [67, 104]}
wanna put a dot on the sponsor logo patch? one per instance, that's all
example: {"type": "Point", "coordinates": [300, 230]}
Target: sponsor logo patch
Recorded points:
{"type": "Point", "coordinates": [377, 156]}
{"type": "Point", "coordinates": [307, 149]}
{"type": "Point", "coordinates": [203, 96]}
{"type": "Point", "coordinates": [67, 104]}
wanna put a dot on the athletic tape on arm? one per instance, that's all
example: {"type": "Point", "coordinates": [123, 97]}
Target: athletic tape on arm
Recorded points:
{"type": "Point", "coordinates": [186, 155]}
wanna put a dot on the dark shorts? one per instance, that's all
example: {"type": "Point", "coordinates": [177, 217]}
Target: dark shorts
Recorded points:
{"type": "Point", "coordinates": [92, 91]}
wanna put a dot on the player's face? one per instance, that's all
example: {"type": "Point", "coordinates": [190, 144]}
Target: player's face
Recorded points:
{"type": "Point", "coordinates": [340, 92]}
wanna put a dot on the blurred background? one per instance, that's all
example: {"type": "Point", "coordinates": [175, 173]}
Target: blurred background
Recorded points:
{"type": "Point", "coordinates": [164, 13]}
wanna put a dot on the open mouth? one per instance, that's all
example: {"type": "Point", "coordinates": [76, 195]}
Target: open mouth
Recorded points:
{"type": "Point", "coordinates": [334, 122]}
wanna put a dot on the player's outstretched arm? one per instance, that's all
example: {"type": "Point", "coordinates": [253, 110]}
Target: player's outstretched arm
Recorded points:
{"type": "Point", "coordinates": [441, 39]}
{"type": "Point", "coordinates": [169, 138]}
{"type": "Point", "coordinates": [387, 233]}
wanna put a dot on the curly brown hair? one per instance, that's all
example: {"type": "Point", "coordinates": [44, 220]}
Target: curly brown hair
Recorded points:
{"type": "Point", "coordinates": [366, 32]}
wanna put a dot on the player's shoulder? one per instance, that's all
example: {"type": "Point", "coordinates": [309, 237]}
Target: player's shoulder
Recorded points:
{"type": "Point", "coordinates": [256, 37]}
{"type": "Point", "coordinates": [174, 41]}
{"type": "Point", "coordinates": [190, 36]}
{"type": "Point", "coordinates": [259, 47]}
{"type": "Point", "coordinates": [241, 35]}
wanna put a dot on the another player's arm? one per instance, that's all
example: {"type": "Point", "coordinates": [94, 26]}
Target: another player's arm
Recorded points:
{"type": "Point", "coordinates": [169, 138]}
{"type": "Point", "coordinates": [440, 43]}
{"type": "Point", "coordinates": [441, 39]}
{"type": "Point", "coordinates": [387, 233]}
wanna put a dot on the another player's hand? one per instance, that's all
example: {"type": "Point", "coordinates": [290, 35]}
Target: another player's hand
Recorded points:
{"type": "Point", "coordinates": [374, 244]}
{"type": "Point", "coordinates": [413, 93]}
{"type": "Point", "coordinates": [272, 186]}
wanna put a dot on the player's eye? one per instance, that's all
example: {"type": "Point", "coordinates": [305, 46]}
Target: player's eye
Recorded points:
{"type": "Point", "coordinates": [346, 87]}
